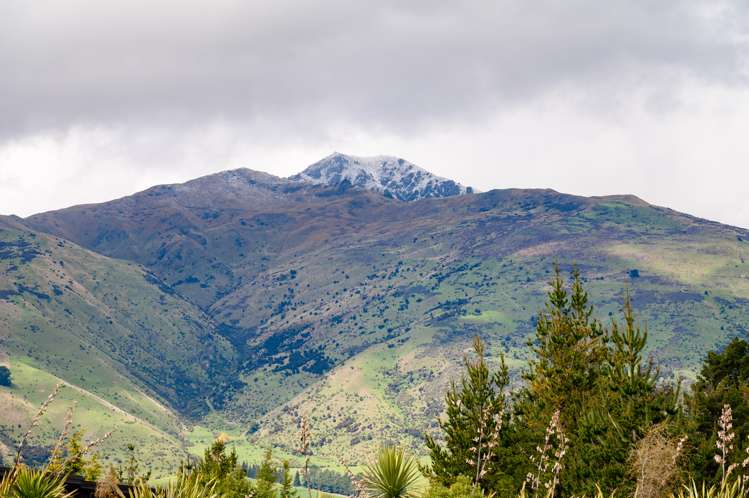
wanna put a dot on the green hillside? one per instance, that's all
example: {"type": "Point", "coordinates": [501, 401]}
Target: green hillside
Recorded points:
{"type": "Point", "coordinates": [134, 355]}
{"type": "Point", "coordinates": [262, 300]}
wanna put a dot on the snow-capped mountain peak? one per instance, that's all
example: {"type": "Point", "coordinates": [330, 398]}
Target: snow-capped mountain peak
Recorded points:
{"type": "Point", "coordinates": [391, 176]}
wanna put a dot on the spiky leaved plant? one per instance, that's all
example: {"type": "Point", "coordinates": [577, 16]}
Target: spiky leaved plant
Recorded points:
{"type": "Point", "coordinates": [393, 475]}
{"type": "Point", "coordinates": [734, 489]}
{"type": "Point", "coordinates": [34, 423]}
{"type": "Point", "coordinates": [6, 482]}
{"type": "Point", "coordinates": [185, 486]}
{"type": "Point", "coordinates": [37, 483]}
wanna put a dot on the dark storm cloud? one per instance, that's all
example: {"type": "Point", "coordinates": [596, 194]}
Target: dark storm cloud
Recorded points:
{"type": "Point", "coordinates": [394, 65]}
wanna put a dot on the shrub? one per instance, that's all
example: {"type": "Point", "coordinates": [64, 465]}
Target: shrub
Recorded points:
{"type": "Point", "coordinates": [5, 378]}
{"type": "Point", "coordinates": [461, 488]}
{"type": "Point", "coordinates": [723, 380]}
{"type": "Point", "coordinates": [655, 462]}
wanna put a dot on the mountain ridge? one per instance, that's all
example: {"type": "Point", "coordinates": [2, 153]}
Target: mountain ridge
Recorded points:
{"type": "Point", "coordinates": [343, 297]}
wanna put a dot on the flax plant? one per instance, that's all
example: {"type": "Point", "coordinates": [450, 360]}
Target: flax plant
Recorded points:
{"type": "Point", "coordinates": [36, 483]}
{"type": "Point", "coordinates": [725, 442]}
{"type": "Point", "coordinates": [305, 436]}
{"type": "Point", "coordinates": [727, 488]}
{"type": "Point", "coordinates": [554, 446]}
{"type": "Point", "coordinates": [485, 442]}
{"type": "Point", "coordinates": [35, 422]}
{"type": "Point", "coordinates": [185, 486]}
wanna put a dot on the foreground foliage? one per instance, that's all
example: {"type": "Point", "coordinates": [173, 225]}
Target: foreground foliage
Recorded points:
{"type": "Point", "coordinates": [587, 400]}
{"type": "Point", "coordinates": [25, 482]}
{"type": "Point", "coordinates": [393, 475]}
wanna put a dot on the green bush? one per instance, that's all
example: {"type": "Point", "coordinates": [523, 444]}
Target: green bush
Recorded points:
{"type": "Point", "coordinates": [461, 488]}
{"type": "Point", "coordinates": [5, 377]}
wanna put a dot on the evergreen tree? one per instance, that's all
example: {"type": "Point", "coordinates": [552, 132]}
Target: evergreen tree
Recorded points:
{"type": "Point", "coordinates": [222, 469]}
{"type": "Point", "coordinates": [73, 460]}
{"type": "Point", "coordinates": [472, 431]}
{"type": "Point", "coordinates": [129, 473]}
{"type": "Point", "coordinates": [287, 486]}
{"type": "Point", "coordinates": [569, 354]}
{"type": "Point", "coordinates": [723, 380]}
{"type": "Point", "coordinates": [265, 486]}
{"type": "Point", "coordinates": [566, 372]}
{"type": "Point", "coordinates": [606, 396]}
{"type": "Point", "coordinates": [630, 402]}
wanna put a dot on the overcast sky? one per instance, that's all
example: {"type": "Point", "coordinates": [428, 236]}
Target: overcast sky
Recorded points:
{"type": "Point", "coordinates": [99, 99]}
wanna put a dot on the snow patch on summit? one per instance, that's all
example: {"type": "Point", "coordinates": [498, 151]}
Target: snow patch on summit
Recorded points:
{"type": "Point", "coordinates": [391, 176]}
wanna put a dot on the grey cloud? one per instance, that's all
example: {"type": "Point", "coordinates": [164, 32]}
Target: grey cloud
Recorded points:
{"type": "Point", "coordinates": [395, 65]}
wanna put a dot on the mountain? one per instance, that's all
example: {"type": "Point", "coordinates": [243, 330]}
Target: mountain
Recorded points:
{"type": "Point", "coordinates": [393, 177]}
{"type": "Point", "coordinates": [129, 349]}
{"type": "Point", "coordinates": [356, 308]}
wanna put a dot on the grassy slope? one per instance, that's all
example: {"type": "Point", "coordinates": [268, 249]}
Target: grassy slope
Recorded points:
{"type": "Point", "coordinates": [352, 306]}
{"type": "Point", "coordinates": [159, 444]}
{"type": "Point", "coordinates": [391, 391]}
{"type": "Point", "coordinates": [97, 324]}
{"type": "Point", "coordinates": [692, 296]}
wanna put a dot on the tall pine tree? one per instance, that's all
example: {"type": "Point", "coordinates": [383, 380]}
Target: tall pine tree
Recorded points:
{"type": "Point", "coordinates": [287, 483]}
{"type": "Point", "coordinates": [265, 487]}
{"type": "Point", "coordinates": [723, 380]}
{"type": "Point", "coordinates": [476, 410]}
{"type": "Point", "coordinates": [596, 377]}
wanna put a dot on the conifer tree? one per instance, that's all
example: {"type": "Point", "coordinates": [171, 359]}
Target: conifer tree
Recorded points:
{"type": "Point", "coordinates": [629, 404]}
{"type": "Point", "coordinates": [472, 430]}
{"type": "Point", "coordinates": [566, 370]}
{"type": "Point", "coordinates": [222, 469]}
{"type": "Point", "coordinates": [266, 478]}
{"type": "Point", "coordinates": [75, 459]}
{"type": "Point", "coordinates": [287, 486]}
{"type": "Point", "coordinates": [569, 353]}
{"type": "Point", "coordinates": [596, 377]}
{"type": "Point", "coordinates": [723, 380]}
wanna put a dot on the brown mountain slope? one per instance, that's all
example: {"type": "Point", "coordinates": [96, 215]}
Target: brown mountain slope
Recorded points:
{"type": "Point", "coordinates": [306, 280]}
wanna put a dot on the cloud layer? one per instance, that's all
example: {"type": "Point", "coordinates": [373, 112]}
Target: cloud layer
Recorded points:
{"type": "Point", "coordinates": [134, 91]}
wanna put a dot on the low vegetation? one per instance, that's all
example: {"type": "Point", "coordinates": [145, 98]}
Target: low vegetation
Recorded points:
{"type": "Point", "coordinates": [589, 416]}
{"type": "Point", "coordinates": [5, 376]}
